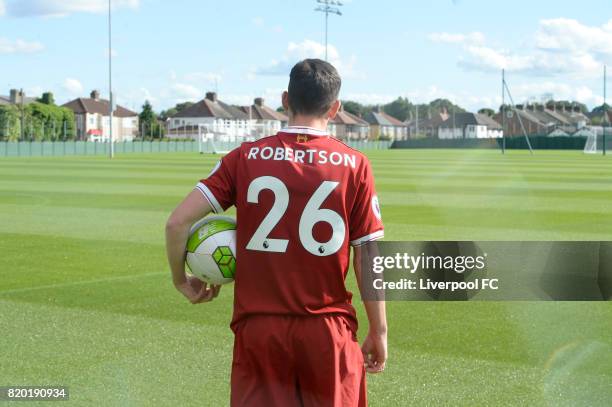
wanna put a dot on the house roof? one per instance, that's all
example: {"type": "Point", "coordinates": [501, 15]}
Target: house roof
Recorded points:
{"type": "Point", "coordinates": [424, 122]}
{"type": "Point", "coordinates": [210, 108]}
{"type": "Point", "coordinates": [383, 119]}
{"type": "Point", "coordinates": [347, 118]}
{"type": "Point", "coordinates": [262, 112]}
{"type": "Point", "coordinates": [465, 119]}
{"type": "Point", "coordinates": [99, 106]}
{"type": "Point", "coordinates": [6, 100]}
{"type": "Point", "coordinates": [573, 117]}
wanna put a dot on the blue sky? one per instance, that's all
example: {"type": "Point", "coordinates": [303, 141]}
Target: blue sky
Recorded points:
{"type": "Point", "coordinates": [172, 51]}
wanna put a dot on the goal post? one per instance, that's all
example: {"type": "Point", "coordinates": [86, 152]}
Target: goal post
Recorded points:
{"type": "Point", "coordinates": [596, 139]}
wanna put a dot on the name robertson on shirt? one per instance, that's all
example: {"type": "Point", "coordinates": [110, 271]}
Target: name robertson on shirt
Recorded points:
{"type": "Point", "coordinates": [309, 156]}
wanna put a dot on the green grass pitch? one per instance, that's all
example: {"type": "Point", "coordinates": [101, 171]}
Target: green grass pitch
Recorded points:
{"type": "Point", "coordinates": [86, 299]}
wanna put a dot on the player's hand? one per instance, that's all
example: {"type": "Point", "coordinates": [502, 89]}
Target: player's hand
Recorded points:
{"type": "Point", "coordinates": [374, 351]}
{"type": "Point", "coordinates": [196, 291]}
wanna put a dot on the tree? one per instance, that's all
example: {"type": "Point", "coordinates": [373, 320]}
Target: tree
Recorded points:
{"type": "Point", "coordinates": [599, 110]}
{"type": "Point", "coordinates": [280, 109]}
{"type": "Point", "coordinates": [46, 122]}
{"type": "Point", "coordinates": [165, 114]}
{"type": "Point", "coordinates": [149, 124]}
{"type": "Point", "coordinates": [10, 126]}
{"type": "Point", "coordinates": [400, 108]}
{"type": "Point", "coordinates": [355, 108]}
{"type": "Point", "coordinates": [47, 98]}
{"type": "Point", "coordinates": [486, 111]}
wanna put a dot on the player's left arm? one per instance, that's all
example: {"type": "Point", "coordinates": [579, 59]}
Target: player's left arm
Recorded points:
{"type": "Point", "coordinates": [365, 226]}
{"type": "Point", "coordinates": [374, 346]}
{"type": "Point", "coordinates": [193, 208]}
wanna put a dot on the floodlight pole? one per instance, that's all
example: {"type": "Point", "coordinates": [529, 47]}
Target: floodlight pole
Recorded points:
{"type": "Point", "coordinates": [605, 111]}
{"type": "Point", "coordinates": [417, 121]}
{"type": "Point", "coordinates": [110, 82]}
{"type": "Point", "coordinates": [503, 112]}
{"type": "Point", "coordinates": [326, 32]}
{"type": "Point", "coordinates": [327, 7]}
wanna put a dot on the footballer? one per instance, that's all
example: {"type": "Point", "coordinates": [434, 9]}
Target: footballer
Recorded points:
{"type": "Point", "coordinates": [302, 199]}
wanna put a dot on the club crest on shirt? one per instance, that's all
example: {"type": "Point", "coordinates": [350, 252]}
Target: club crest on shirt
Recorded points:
{"type": "Point", "coordinates": [302, 138]}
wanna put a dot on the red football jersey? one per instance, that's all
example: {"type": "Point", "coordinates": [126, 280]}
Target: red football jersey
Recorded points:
{"type": "Point", "coordinates": [301, 198]}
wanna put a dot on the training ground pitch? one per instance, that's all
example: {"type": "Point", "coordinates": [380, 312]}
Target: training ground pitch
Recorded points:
{"type": "Point", "coordinates": [86, 298]}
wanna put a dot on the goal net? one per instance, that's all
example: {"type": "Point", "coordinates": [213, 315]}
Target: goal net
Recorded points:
{"type": "Point", "coordinates": [592, 145]}
{"type": "Point", "coordinates": [595, 140]}
{"type": "Point", "coordinates": [211, 140]}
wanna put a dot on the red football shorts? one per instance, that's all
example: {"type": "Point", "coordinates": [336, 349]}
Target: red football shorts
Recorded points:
{"type": "Point", "coordinates": [290, 361]}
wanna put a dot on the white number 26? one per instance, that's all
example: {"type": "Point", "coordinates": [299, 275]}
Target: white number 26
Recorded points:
{"type": "Point", "coordinates": [311, 215]}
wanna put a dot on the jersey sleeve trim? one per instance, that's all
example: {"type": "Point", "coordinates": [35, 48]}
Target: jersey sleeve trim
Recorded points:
{"type": "Point", "coordinates": [368, 238]}
{"type": "Point", "coordinates": [210, 197]}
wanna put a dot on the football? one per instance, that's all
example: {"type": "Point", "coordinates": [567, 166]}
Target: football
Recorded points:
{"type": "Point", "coordinates": [211, 250]}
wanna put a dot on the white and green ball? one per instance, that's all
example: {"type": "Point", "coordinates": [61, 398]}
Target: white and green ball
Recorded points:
{"type": "Point", "coordinates": [211, 250]}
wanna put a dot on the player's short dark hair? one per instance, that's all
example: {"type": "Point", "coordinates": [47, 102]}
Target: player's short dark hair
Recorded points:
{"type": "Point", "coordinates": [314, 86]}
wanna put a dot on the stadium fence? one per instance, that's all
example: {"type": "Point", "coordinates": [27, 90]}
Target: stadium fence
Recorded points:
{"type": "Point", "coordinates": [539, 142]}
{"type": "Point", "coordinates": [85, 148]}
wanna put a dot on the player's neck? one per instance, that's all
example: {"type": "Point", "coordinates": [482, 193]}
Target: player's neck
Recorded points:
{"type": "Point", "coordinates": [319, 123]}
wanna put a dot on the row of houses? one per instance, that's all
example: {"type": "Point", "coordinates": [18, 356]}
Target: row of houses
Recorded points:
{"type": "Point", "coordinates": [91, 116]}
{"type": "Point", "coordinates": [211, 117]}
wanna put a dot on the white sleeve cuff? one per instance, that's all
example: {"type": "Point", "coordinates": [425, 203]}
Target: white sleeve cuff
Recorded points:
{"type": "Point", "coordinates": [372, 236]}
{"type": "Point", "coordinates": [210, 197]}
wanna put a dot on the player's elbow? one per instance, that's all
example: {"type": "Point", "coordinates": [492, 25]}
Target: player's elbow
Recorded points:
{"type": "Point", "coordinates": [175, 223]}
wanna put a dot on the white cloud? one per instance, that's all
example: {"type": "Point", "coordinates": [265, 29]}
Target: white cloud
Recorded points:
{"type": "Point", "coordinates": [73, 86]}
{"type": "Point", "coordinates": [271, 96]}
{"type": "Point", "coordinates": [19, 46]}
{"type": "Point", "coordinates": [560, 91]}
{"type": "Point", "coordinates": [307, 49]}
{"type": "Point", "coordinates": [451, 38]}
{"type": "Point", "coordinates": [135, 98]}
{"type": "Point", "coordinates": [538, 64]}
{"type": "Point", "coordinates": [60, 8]}
{"type": "Point", "coordinates": [258, 21]}
{"type": "Point", "coordinates": [2, 8]}
{"type": "Point", "coordinates": [560, 46]}
{"type": "Point", "coordinates": [568, 35]}
{"type": "Point", "coordinates": [182, 87]}
{"type": "Point", "coordinates": [183, 91]}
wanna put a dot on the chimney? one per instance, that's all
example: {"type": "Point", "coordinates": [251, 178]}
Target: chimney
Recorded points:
{"type": "Point", "coordinates": [14, 96]}
{"type": "Point", "coordinates": [95, 94]}
{"type": "Point", "coordinates": [259, 102]}
{"type": "Point", "coordinates": [212, 96]}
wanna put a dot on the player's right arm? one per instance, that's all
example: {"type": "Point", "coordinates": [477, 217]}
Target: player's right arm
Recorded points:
{"type": "Point", "coordinates": [193, 208]}
{"type": "Point", "coordinates": [213, 194]}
